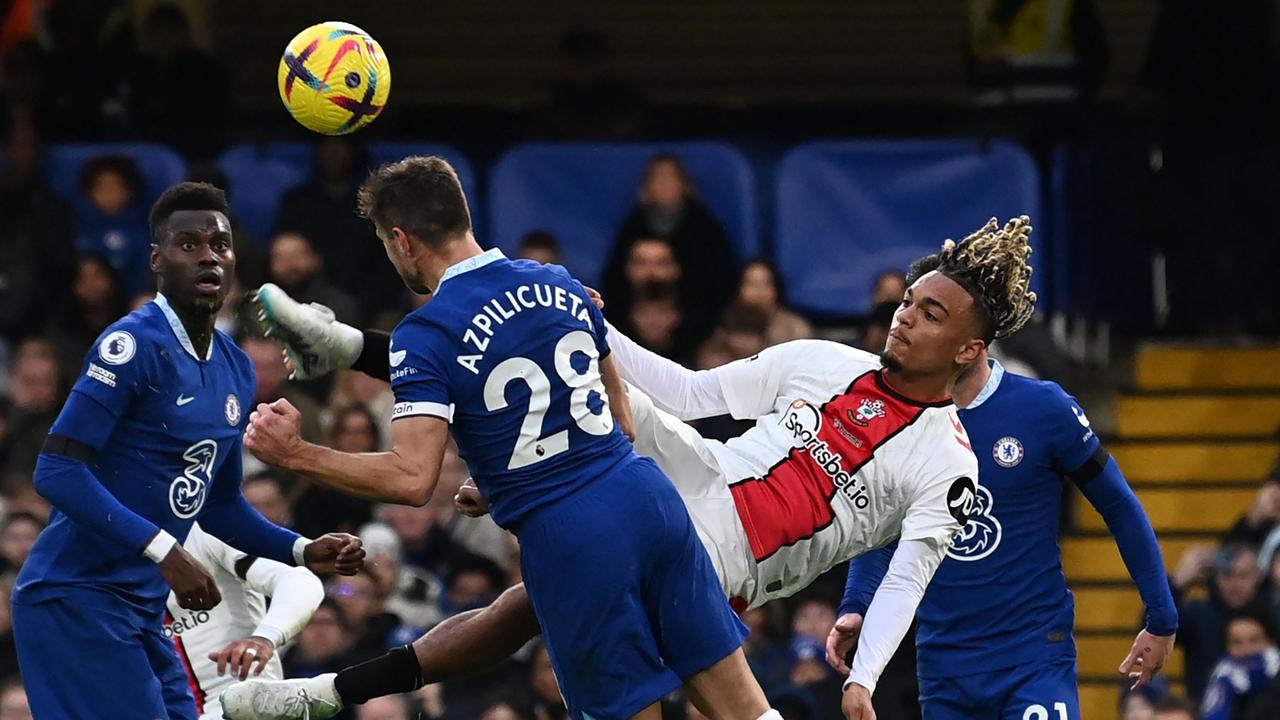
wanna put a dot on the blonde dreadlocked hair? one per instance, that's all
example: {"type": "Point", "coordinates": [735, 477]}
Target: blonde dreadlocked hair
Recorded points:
{"type": "Point", "coordinates": [991, 264]}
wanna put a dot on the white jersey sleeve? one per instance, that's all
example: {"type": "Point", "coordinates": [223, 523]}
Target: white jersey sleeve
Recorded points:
{"type": "Point", "coordinates": [892, 608]}
{"type": "Point", "coordinates": [796, 369]}
{"type": "Point", "coordinates": [295, 594]}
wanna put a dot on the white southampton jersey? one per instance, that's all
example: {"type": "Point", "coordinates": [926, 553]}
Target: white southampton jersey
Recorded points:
{"type": "Point", "coordinates": [245, 582]}
{"type": "Point", "coordinates": [838, 463]}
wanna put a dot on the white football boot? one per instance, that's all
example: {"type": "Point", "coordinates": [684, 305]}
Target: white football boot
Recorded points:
{"type": "Point", "coordinates": [306, 699]}
{"type": "Point", "coordinates": [315, 343]}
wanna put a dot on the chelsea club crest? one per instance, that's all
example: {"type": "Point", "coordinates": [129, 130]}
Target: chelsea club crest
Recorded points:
{"type": "Point", "coordinates": [232, 410]}
{"type": "Point", "coordinates": [1007, 452]}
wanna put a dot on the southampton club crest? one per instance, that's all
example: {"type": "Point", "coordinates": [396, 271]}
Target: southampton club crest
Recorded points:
{"type": "Point", "coordinates": [867, 411]}
{"type": "Point", "coordinates": [981, 535]}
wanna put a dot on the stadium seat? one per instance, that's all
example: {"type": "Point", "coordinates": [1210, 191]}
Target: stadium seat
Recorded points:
{"type": "Point", "coordinates": [1198, 415]}
{"type": "Point", "coordinates": [581, 192]}
{"type": "Point", "coordinates": [1100, 655]}
{"type": "Point", "coordinates": [260, 174]}
{"type": "Point", "coordinates": [1096, 559]}
{"type": "Point", "coordinates": [846, 211]}
{"type": "Point", "coordinates": [1191, 462]}
{"type": "Point", "coordinates": [160, 167]}
{"type": "Point", "coordinates": [1107, 608]}
{"type": "Point", "coordinates": [1180, 509]}
{"type": "Point", "coordinates": [1160, 367]}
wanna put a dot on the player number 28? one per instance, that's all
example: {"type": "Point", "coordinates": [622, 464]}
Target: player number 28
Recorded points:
{"type": "Point", "coordinates": [530, 448]}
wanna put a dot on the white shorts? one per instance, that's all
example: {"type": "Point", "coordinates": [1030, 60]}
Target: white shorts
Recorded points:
{"type": "Point", "coordinates": [686, 458]}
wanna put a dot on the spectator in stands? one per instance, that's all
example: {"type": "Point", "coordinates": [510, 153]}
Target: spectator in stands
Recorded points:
{"type": "Point", "coordinates": [657, 321]}
{"type": "Point", "coordinates": [113, 223]}
{"type": "Point", "coordinates": [760, 287]}
{"type": "Point", "coordinates": [587, 99]}
{"type": "Point", "coordinates": [353, 430]}
{"type": "Point", "coordinates": [541, 246]}
{"type": "Point", "coordinates": [273, 384]}
{"type": "Point", "coordinates": [744, 330]}
{"type": "Point", "coordinates": [35, 393]}
{"type": "Point", "coordinates": [1203, 624]}
{"type": "Point", "coordinates": [505, 709]}
{"type": "Point", "coordinates": [1262, 517]}
{"type": "Point", "coordinates": [877, 332]}
{"type": "Point", "coordinates": [37, 239]}
{"type": "Point", "coordinates": [8, 649]}
{"type": "Point", "coordinates": [323, 210]}
{"type": "Point", "coordinates": [298, 268]}
{"type": "Point", "coordinates": [356, 388]}
{"type": "Point", "coordinates": [98, 299]}
{"type": "Point", "coordinates": [322, 645]}
{"type": "Point", "coordinates": [13, 701]}
{"type": "Point", "coordinates": [1251, 663]}
{"type": "Point", "coordinates": [171, 76]}
{"type": "Point", "coordinates": [265, 492]}
{"type": "Point", "coordinates": [361, 600]}
{"type": "Point", "coordinates": [1138, 705]}
{"type": "Point", "coordinates": [669, 209]}
{"type": "Point", "coordinates": [889, 287]}
{"type": "Point", "coordinates": [547, 704]}
{"type": "Point", "coordinates": [19, 495]}
{"type": "Point", "coordinates": [1175, 708]}
{"type": "Point", "coordinates": [17, 534]}
{"type": "Point", "coordinates": [473, 582]}
{"type": "Point", "coordinates": [412, 594]}
{"type": "Point", "coordinates": [94, 38]}
{"type": "Point", "coordinates": [391, 707]}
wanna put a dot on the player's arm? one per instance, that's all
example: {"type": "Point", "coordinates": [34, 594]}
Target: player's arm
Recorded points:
{"type": "Point", "coordinates": [63, 476]}
{"type": "Point", "coordinates": [1080, 456]}
{"type": "Point", "coordinates": [295, 594]}
{"type": "Point", "coordinates": [405, 475]}
{"type": "Point", "coordinates": [865, 574]}
{"type": "Point", "coordinates": [230, 518]}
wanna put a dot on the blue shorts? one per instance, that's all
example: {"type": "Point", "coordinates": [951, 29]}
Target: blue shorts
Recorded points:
{"type": "Point", "coordinates": [628, 599]}
{"type": "Point", "coordinates": [1044, 691]}
{"type": "Point", "coordinates": [88, 655]}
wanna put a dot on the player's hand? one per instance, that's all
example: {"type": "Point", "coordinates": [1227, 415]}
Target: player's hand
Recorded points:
{"type": "Point", "coordinates": [192, 583]}
{"type": "Point", "coordinates": [334, 553]}
{"type": "Point", "coordinates": [595, 297]}
{"type": "Point", "coordinates": [843, 640]}
{"type": "Point", "coordinates": [241, 655]}
{"type": "Point", "coordinates": [1146, 657]}
{"type": "Point", "coordinates": [275, 432]}
{"type": "Point", "coordinates": [857, 703]}
{"type": "Point", "coordinates": [470, 501]}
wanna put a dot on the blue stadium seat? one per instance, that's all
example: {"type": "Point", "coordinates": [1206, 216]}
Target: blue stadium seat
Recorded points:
{"type": "Point", "coordinates": [258, 175]}
{"type": "Point", "coordinates": [846, 211]}
{"type": "Point", "coordinates": [581, 192]}
{"type": "Point", "coordinates": [160, 167]}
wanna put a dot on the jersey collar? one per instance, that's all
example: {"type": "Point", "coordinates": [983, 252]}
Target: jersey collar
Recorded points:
{"type": "Point", "coordinates": [471, 263]}
{"type": "Point", "coordinates": [181, 332]}
{"type": "Point", "coordinates": [993, 382]}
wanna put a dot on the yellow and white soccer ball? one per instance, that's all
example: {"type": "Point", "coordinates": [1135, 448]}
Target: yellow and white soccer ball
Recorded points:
{"type": "Point", "coordinates": [334, 78]}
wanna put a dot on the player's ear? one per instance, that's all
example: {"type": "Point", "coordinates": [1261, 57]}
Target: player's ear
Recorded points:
{"type": "Point", "coordinates": [155, 256]}
{"type": "Point", "coordinates": [400, 239]}
{"type": "Point", "coordinates": [970, 351]}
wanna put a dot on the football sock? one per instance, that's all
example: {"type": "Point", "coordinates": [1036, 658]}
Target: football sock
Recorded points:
{"type": "Point", "coordinates": [393, 673]}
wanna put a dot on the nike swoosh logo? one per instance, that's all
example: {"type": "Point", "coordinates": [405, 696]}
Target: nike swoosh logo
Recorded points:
{"type": "Point", "coordinates": [398, 357]}
{"type": "Point", "coordinates": [182, 400]}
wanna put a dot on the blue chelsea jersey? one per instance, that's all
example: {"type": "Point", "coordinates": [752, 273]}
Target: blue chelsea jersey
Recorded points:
{"type": "Point", "coordinates": [179, 420]}
{"type": "Point", "coordinates": [1028, 435]}
{"type": "Point", "coordinates": [508, 352]}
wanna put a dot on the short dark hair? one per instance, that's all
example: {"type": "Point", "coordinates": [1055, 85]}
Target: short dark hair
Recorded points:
{"type": "Point", "coordinates": [779, 283]}
{"type": "Point", "coordinates": [185, 196]}
{"type": "Point", "coordinates": [420, 195]}
{"type": "Point", "coordinates": [541, 240]}
{"type": "Point", "coordinates": [121, 165]}
{"type": "Point", "coordinates": [1256, 614]}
